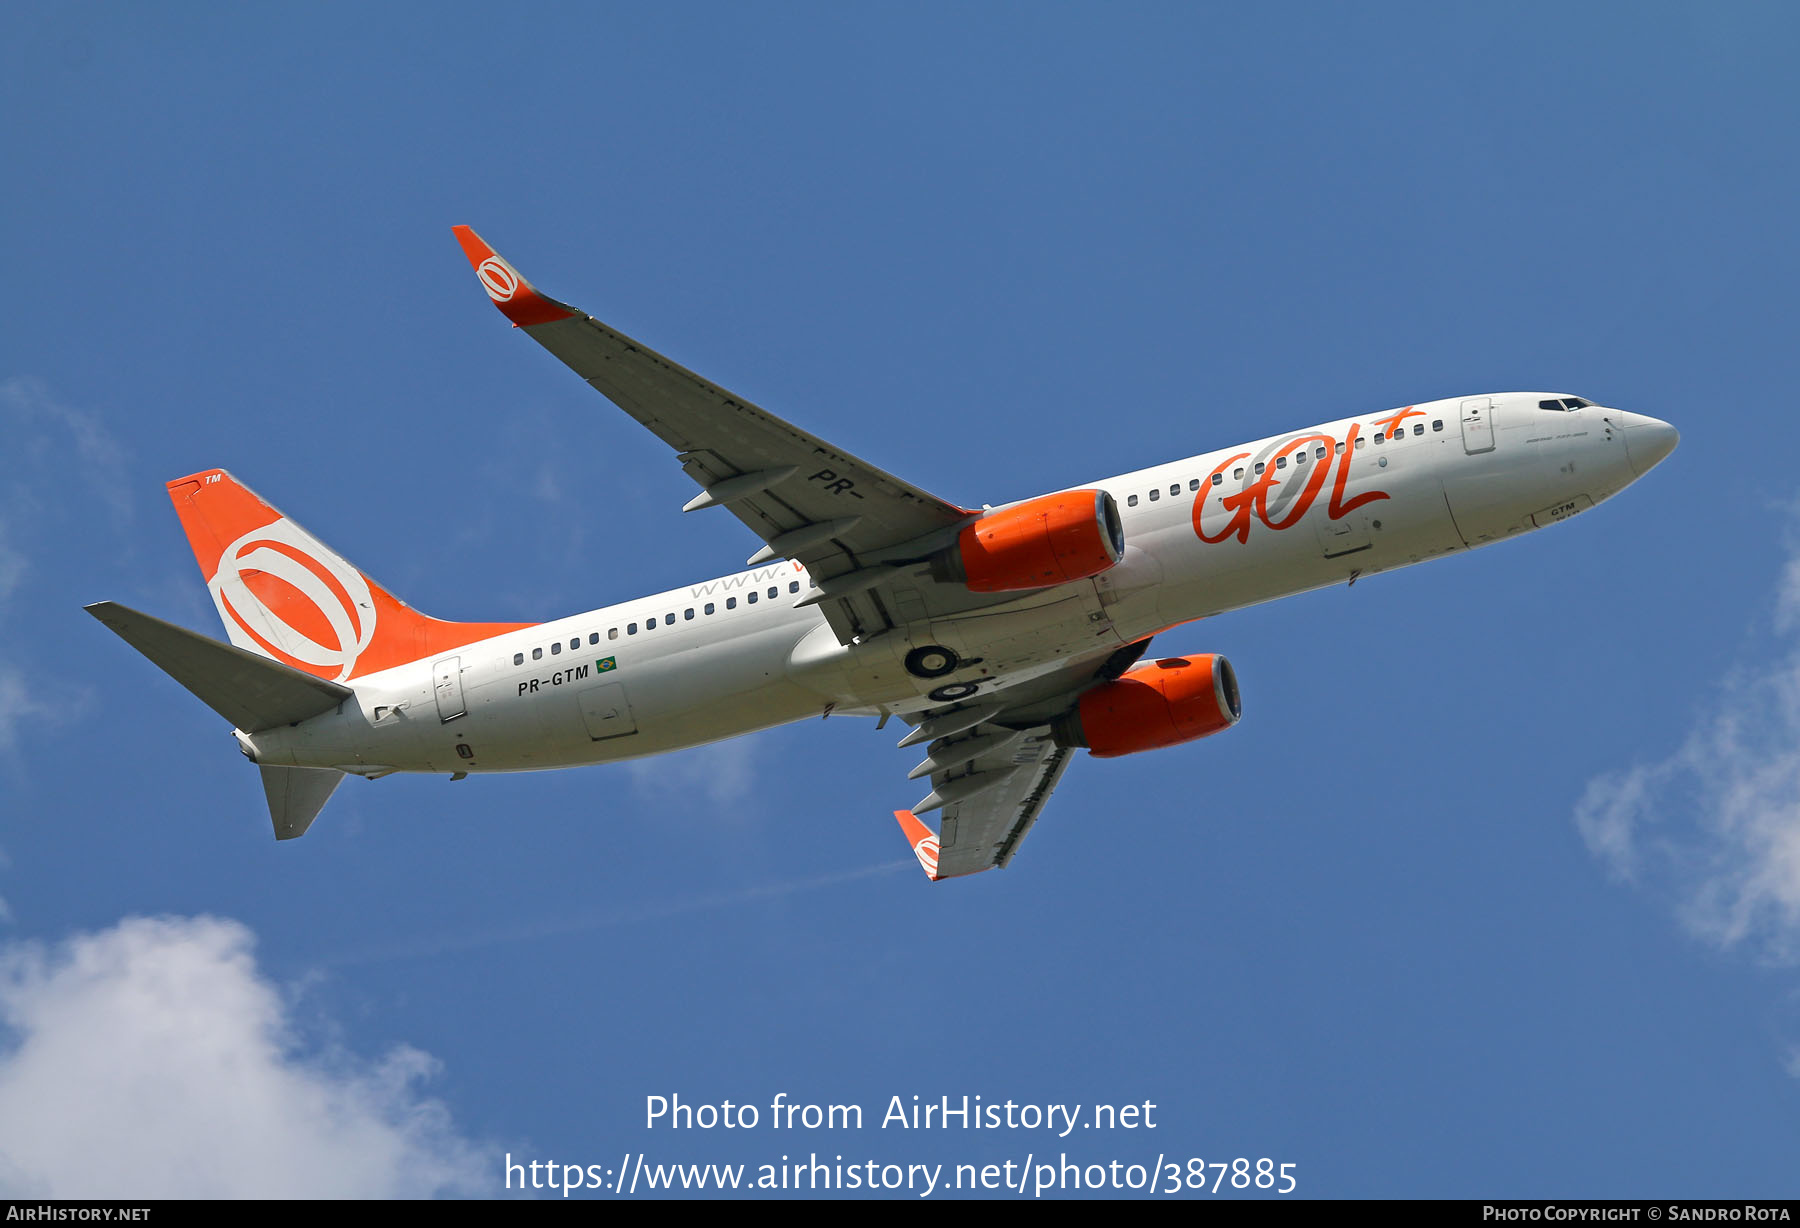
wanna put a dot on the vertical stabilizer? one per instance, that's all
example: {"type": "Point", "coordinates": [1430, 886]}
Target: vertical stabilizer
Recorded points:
{"type": "Point", "coordinates": [284, 594]}
{"type": "Point", "coordinates": [296, 795]}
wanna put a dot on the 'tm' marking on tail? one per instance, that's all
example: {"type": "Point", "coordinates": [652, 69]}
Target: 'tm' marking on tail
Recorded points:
{"type": "Point", "coordinates": [285, 594]}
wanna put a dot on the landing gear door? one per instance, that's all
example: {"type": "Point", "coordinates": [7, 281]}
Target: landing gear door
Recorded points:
{"type": "Point", "coordinates": [446, 682]}
{"type": "Point", "coordinates": [1478, 425]}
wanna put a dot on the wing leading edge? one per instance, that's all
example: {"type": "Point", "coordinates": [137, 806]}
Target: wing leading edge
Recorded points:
{"type": "Point", "coordinates": [847, 520]}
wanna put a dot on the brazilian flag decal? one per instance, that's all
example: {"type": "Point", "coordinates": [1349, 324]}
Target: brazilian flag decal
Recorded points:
{"type": "Point", "coordinates": [604, 664]}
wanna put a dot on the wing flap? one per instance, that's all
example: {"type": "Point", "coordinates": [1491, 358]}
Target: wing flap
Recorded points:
{"type": "Point", "coordinates": [985, 830]}
{"type": "Point", "coordinates": [990, 798]}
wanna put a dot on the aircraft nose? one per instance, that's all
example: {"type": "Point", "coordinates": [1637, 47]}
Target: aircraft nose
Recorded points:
{"type": "Point", "coordinates": [1648, 441]}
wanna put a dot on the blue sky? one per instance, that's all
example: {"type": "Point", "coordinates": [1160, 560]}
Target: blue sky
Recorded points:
{"type": "Point", "coordinates": [1495, 890]}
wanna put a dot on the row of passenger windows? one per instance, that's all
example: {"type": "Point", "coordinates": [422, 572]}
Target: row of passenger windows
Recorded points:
{"type": "Point", "coordinates": [1281, 462]}
{"type": "Point", "coordinates": [651, 623]}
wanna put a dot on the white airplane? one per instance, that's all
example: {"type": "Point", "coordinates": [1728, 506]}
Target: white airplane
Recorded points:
{"type": "Point", "coordinates": [1006, 637]}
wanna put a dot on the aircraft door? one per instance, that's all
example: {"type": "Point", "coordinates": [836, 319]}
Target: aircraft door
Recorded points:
{"type": "Point", "coordinates": [446, 682]}
{"type": "Point", "coordinates": [606, 712]}
{"type": "Point", "coordinates": [1341, 537]}
{"type": "Point", "coordinates": [1478, 425]}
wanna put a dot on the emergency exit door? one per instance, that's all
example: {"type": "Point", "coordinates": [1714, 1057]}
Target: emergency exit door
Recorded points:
{"type": "Point", "coordinates": [1478, 425]}
{"type": "Point", "coordinates": [446, 682]}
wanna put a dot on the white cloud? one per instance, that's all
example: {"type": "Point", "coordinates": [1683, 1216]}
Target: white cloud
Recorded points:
{"type": "Point", "coordinates": [153, 1060]}
{"type": "Point", "coordinates": [721, 773]}
{"type": "Point", "coordinates": [52, 451]}
{"type": "Point", "coordinates": [12, 567]}
{"type": "Point", "coordinates": [1717, 824]}
{"type": "Point", "coordinates": [39, 426]}
{"type": "Point", "coordinates": [16, 706]}
{"type": "Point", "coordinates": [1787, 601]}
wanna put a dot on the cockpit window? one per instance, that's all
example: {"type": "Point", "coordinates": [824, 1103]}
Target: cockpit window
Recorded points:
{"type": "Point", "coordinates": [1564, 403]}
{"type": "Point", "coordinates": [1556, 405]}
{"type": "Point", "coordinates": [1576, 403]}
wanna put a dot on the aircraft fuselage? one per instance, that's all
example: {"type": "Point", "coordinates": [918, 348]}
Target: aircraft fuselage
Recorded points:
{"type": "Point", "coordinates": [1211, 533]}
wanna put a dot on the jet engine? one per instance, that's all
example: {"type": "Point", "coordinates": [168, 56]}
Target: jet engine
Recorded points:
{"type": "Point", "coordinates": [1048, 540]}
{"type": "Point", "coordinates": [1161, 703]}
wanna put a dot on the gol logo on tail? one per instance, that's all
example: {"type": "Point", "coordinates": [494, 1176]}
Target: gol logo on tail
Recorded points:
{"type": "Point", "coordinates": [296, 600]}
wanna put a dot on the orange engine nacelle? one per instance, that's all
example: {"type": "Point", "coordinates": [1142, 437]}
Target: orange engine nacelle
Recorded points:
{"type": "Point", "coordinates": [1048, 540]}
{"type": "Point", "coordinates": [1176, 699]}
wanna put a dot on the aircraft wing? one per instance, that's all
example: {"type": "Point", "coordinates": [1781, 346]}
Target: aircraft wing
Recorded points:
{"type": "Point", "coordinates": [993, 765]}
{"type": "Point", "coordinates": [848, 521]}
{"type": "Point", "coordinates": [984, 830]}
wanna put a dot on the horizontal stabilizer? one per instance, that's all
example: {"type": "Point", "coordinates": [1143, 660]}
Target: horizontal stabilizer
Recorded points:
{"type": "Point", "coordinates": [250, 691]}
{"type": "Point", "coordinates": [296, 795]}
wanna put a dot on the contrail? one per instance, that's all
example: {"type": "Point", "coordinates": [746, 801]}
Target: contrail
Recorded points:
{"type": "Point", "coordinates": [426, 948]}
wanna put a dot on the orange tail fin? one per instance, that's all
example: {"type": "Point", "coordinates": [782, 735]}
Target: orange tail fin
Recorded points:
{"type": "Point", "coordinates": [283, 593]}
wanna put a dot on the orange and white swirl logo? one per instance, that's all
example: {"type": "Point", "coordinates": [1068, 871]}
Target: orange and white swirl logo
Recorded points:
{"type": "Point", "coordinates": [281, 591]}
{"type": "Point", "coordinates": [500, 282]}
{"type": "Point", "coordinates": [927, 851]}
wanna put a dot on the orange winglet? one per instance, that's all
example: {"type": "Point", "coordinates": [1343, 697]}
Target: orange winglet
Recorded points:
{"type": "Point", "coordinates": [924, 844]}
{"type": "Point", "coordinates": [517, 300]}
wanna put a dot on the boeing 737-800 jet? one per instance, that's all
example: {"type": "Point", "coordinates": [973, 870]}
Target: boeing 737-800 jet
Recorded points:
{"type": "Point", "coordinates": [1006, 637]}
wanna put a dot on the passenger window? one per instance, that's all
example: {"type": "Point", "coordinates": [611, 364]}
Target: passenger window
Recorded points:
{"type": "Point", "coordinates": [1194, 483]}
{"type": "Point", "coordinates": [668, 620]}
{"type": "Point", "coordinates": [731, 603]}
{"type": "Point", "coordinates": [709, 607]}
{"type": "Point", "coordinates": [1155, 495]}
{"type": "Point", "coordinates": [1380, 437]}
{"type": "Point", "coordinates": [1237, 475]}
{"type": "Point", "coordinates": [556, 648]}
{"type": "Point", "coordinates": [630, 628]}
{"type": "Point", "coordinates": [1300, 457]}
{"type": "Point", "coordinates": [1418, 428]}
{"type": "Point", "coordinates": [1175, 488]}
{"type": "Point", "coordinates": [688, 614]}
{"type": "Point", "coordinates": [1319, 452]}
{"type": "Point", "coordinates": [1260, 467]}
{"type": "Point", "coordinates": [751, 599]}
{"type": "Point", "coordinates": [793, 586]}
{"type": "Point", "coordinates": [773, 592]}
{"type": "Point", "coordinates": [1359, 442]}
{"type": "Point", "coordinates": [575, 644]}
{"type": "Point", "coordinates": [1437, 424]}
{"type": "Point", "coordinates": [650, 623]}
{"type": "Point", "coordinates": [593, 637]}
{"type": "Point", "coordinates": [1281, 462]}
{"type": "Point", "coordinates": [1340, 447]}
{"type": "Point", "coordinates": [612, 633]}
{"type": "Point", "coordinates": [1218, 479]}
{"type": "Point", "coordinates": [1131, 501]}
{"type": "Point", "coordinates": [518, 658]}
{"type": "Point", "coordinates": [537, 654]}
